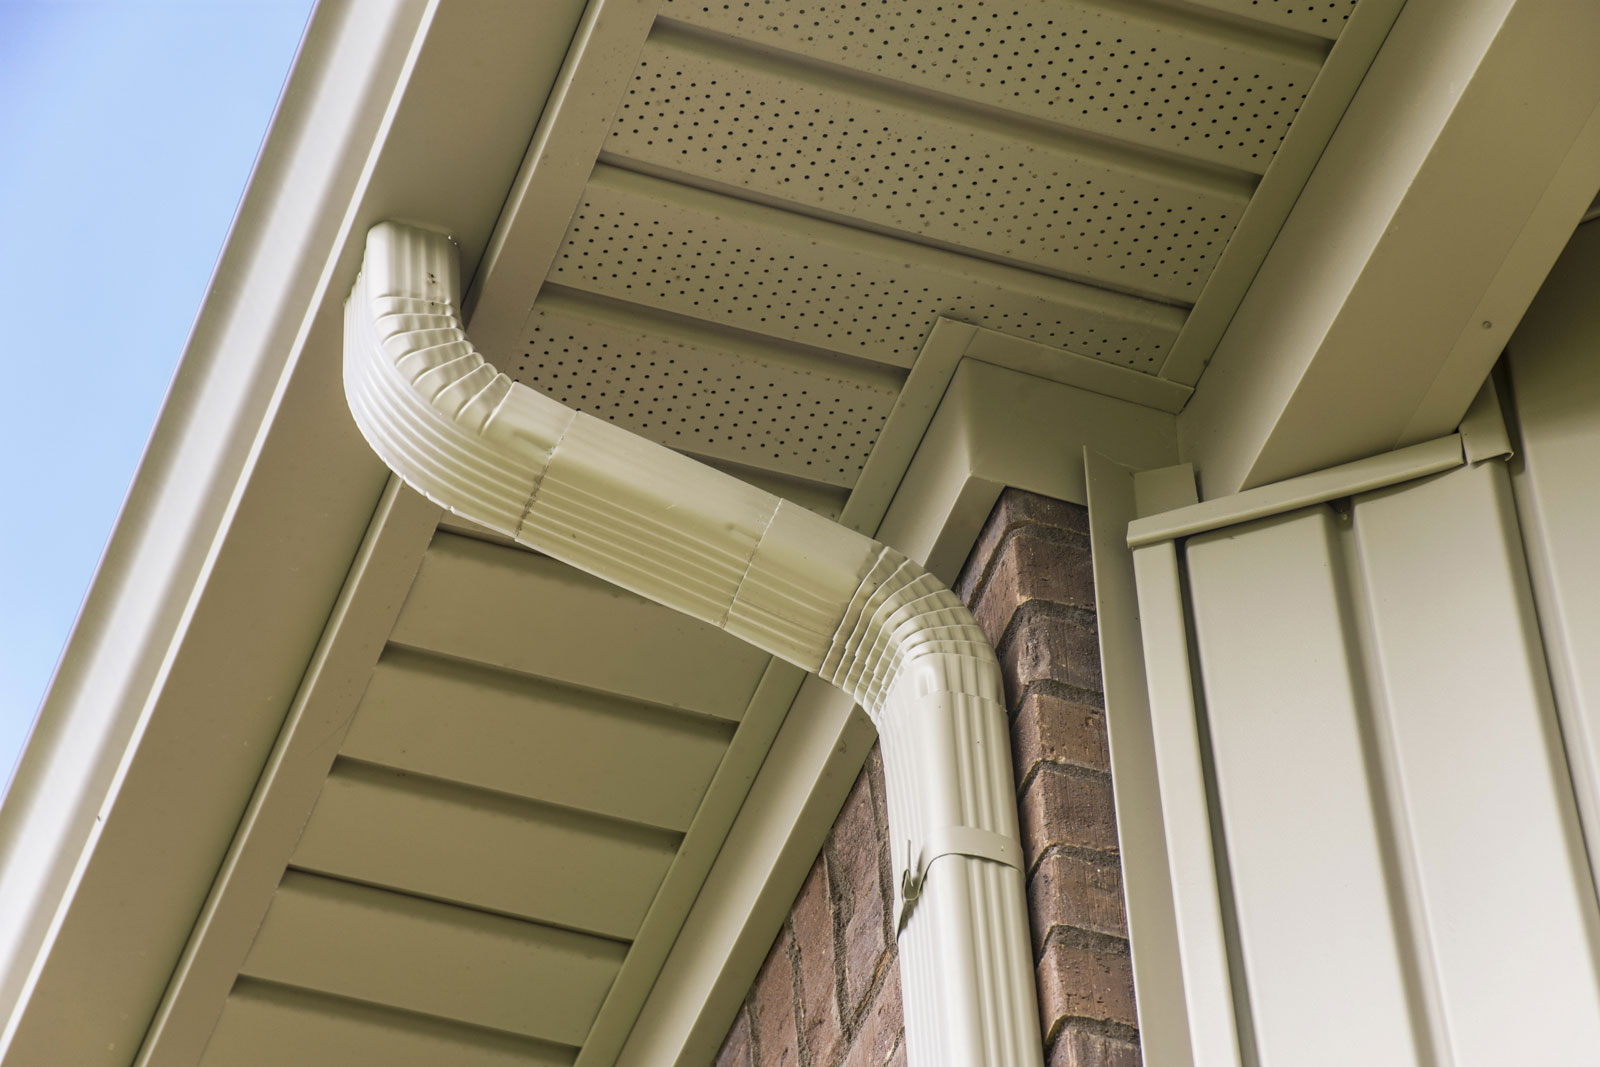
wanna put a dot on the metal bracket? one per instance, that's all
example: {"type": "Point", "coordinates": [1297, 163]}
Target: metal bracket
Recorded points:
{"type": "Point", "coordinates": [1483, 428]}
{"type": "Point", "coordinates": [951, 841]}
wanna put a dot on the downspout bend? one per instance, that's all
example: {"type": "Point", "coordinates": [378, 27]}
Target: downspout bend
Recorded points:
{"type": "Point", "coordinates": [857, 613]}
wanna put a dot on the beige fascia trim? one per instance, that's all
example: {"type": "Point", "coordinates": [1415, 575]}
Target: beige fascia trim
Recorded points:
{"type": "Point", "coordinates": [1156, 907]}
{"type": "Point", "coordinates": [999, 426]}
{"type": "Point", "coordinates": [1164, 516]}
{"type": "Point", "coordinates": [68, 830]}
{"type": "Point", "coordinates": [1417, 243]}
{"type": "Point", "coordinates": [244, 519]}
{"type": "Point", "coordinates": [857, 613]}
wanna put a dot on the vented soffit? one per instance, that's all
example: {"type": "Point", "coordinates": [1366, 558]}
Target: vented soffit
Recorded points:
{"type": "Point", "coordinates": [788, 194]}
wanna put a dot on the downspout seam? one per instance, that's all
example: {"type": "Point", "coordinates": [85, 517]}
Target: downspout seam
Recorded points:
{"type": "Point", "coordinates": [749, 562]}
{"type": "Point", "coordinates": [527, 508]}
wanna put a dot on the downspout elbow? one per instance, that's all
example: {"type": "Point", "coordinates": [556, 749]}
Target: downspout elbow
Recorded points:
{"type": "Point", "coordinates": [857, 613]}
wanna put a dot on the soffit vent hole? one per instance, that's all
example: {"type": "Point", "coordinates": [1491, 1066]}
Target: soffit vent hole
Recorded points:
{"type": "Point", "coordinates": [1084, 67]}
{"type": "Point", "coordinates": [918, 174]}
{"type": "Point", "coordinates": [807, 424]}
{"type": "Point", "coordinates": [694, 261]}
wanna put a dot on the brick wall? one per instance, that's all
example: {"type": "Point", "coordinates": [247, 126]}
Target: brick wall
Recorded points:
{"type": "Point", "coordinates": [828, 994]}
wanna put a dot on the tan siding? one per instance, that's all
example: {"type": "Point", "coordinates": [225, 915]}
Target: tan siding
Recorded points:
{"type": "Point", "coordinates": [485, 850]}
{"type": "Point", "coordinates": [434, 959]}
{"type": "Point", "coordinates": [515, 735]}
{"type": "Point", "coordinates": [527, 613]}
{"type": "Point", "coordinates": [265, 1025]}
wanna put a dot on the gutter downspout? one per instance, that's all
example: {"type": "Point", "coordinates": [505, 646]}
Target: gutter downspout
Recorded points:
{"type": "Point", "coordinates": [857, 613]}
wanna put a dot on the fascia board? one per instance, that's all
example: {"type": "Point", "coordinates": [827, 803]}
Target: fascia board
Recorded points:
{"type": "Point", "coordinates": [997, 427]}
{"type": "Point", "coordinates": [1319, 115]}
{"type": "Point", "coordinates": [993, 427]}
{"type": "Point", "coordinates": [1451, 184]}
{"type": "Point", "coordinates": [1552, 375]}
{"type": "Point", "coordinates": [245, 516]}
{"type": "Point", "coordinates": [952, 344]}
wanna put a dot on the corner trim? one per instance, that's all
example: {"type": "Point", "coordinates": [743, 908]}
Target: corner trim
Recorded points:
{"type": "Point", "coordinates": [956, 474]}
{"type": "Point", "coordinates": [1348, 479]}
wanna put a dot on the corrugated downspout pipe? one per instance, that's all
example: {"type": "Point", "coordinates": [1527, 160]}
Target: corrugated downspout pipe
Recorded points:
{"type": "Point", "coordinates": [855, 612]}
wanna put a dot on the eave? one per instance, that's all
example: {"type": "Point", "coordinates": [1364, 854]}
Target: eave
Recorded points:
{"type": "Point", "coordinates": [248, 508]}
{"type": "Point", "coordinates": [1415, 248]}
{"type": "Point", "coordinates": [254, 501]}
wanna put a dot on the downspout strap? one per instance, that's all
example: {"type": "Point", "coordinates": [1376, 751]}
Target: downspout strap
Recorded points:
{"type": "Point", "coordinates": [952, 841]}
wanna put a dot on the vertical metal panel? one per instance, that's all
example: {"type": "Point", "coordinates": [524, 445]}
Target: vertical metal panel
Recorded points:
{"type": "Point", "coordinates": [1555, 380]}
{"type": "Point", "coordinates": [1196, 902]}
{"type": "Point", "coordinates": [1322, 959]}
{"type": "Point", "coordinates": [1504, 896]}
{"type": "Point", "coordinates": [1141, 832]}
{"type": "Point", "coordinates": [1402, 872]}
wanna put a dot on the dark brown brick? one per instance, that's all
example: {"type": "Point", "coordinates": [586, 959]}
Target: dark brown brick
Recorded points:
{"type": "Point", "coordinates": [772, 1008]}
{"type": "Point", "coordinates": [881, 1028]}
{"type": "Point", "coordinates": [1045, 647]}
{"type": "Point", "coordinates": [1035, 564]}
{"type": "Point", "coordinates": [1064, 807]}
{"type": "Point", "coordinates": [1079, 982]}
{"type": "Point", "coordinates": [736, 1050]}
{"type": "Point", "coordinates": [856, 857]}
{"type": "Point", "coordinates": [821, 1036]}
{"type": "Point", "coordinates": [1020, 506]}
{"type": "Point", "coordinates": [1077, 1046]}
{"type": "Point", "coordinates": [1016, 508]}
{"type": "Point", "coordinates": [1077, 891]}
{"type": "Point", "coordinates": [874, 776]}
{"type": "Point", "coordinates": [1051, 729]}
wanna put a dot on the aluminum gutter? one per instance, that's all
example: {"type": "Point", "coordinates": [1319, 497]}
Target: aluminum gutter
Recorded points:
{"type": "Point", "coordinates": [857, 613]}
{"type": "Point", "coordinates": [242, 523]}
{"type": "Point", "coordinates": [174, 543]}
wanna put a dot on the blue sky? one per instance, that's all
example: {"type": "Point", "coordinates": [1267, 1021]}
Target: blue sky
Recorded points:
{"type": "Point", "coordinates": [128, 135]}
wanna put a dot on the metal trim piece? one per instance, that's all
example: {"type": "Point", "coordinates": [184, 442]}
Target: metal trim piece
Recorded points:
{"type": "Point", "coordinates": [1185, 810]}
{"type": "Point", "coordinates": [1483, 429]}
{"type": "Point", "coordinates": [1374, 472]}
{"type": "Point", "coordinates": [1148, 890]}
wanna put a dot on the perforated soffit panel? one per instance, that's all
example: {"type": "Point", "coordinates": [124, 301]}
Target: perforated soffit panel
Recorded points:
{"type": "Point", "coordinates": [791, 193]}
